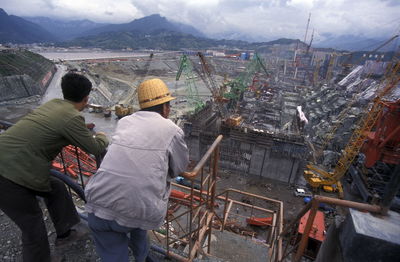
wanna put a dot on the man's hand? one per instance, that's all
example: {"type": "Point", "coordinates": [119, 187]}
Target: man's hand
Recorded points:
{"type": "Point", "coordinates": [90, 126]}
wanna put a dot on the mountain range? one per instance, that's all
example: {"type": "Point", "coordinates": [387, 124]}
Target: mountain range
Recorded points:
{"type": "Point", "coordinates": [15, 29]}
{"type": "Point", "coordinates": [154, 32]}
{"type": "Point", "coordinates": [355, 43]}
{"type": "Point", "coordinates": [65, 30]}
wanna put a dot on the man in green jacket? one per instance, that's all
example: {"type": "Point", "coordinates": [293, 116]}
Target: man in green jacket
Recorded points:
{"type": "Point", "coordinates": [26, 152]}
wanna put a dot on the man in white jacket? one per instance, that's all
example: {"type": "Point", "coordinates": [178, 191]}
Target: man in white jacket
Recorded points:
{"type": "Point", "coordinates": [129, 193]}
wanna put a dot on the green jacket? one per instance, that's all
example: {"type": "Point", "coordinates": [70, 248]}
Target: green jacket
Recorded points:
{"type": "Point", "coordinates": [28, 148]}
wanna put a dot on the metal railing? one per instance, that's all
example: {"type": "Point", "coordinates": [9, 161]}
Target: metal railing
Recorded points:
{"type": "Point", "coordinates": [186, 234]}
{"type": "Point", "coordinates": [257, 204]}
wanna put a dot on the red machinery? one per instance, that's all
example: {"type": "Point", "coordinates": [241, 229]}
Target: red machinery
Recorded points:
{"type": "Point", "coordinates": [316, 235]}
{"type": "Point", "coordinates": [383, 142]}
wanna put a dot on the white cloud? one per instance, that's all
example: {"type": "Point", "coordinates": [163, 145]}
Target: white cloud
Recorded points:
{"type": "Point", "coordinates": [264, 20]}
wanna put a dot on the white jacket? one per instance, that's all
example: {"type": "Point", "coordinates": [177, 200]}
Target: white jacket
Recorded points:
{"type": "Point", "coordinates": [132, 185]}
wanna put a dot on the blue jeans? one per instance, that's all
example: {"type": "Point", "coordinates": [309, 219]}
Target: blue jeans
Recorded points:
{"type": "Point", "coordinates": [112, 240]}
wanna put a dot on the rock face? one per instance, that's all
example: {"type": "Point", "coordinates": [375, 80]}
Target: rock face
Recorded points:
{"type": "Point", "coordinates": [23, 74]}
{"type": "Point", "coordinates": [18, 86]}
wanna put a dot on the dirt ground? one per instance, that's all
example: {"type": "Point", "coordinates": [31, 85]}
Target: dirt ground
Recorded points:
{"type": "Point", "coordinates": [263, 187]}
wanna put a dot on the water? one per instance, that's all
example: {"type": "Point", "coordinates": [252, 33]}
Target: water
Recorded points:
{"type": "Point", "coordinates": [86, 54]}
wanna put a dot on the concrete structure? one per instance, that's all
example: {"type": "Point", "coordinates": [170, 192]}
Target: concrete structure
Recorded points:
{"type": "Point", "coordinates": [245, 150]}
{"type": "Point", "coordinates": [365, 237]}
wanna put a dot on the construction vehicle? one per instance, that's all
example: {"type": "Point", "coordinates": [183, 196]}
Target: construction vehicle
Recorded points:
{"type": "Point", "coordinates": [122, 110]}
{"type": "Point", "coordinates": [384, 134]}
{"type": "Point", "coordinates": [234, 120]}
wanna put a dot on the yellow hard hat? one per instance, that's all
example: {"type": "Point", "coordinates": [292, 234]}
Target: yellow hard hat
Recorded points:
{"type": "Point", "coordinates": [153, 92]}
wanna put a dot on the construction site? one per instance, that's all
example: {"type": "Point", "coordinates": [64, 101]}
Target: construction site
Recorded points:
{"type": "Point", "coordinates": [295, 150]}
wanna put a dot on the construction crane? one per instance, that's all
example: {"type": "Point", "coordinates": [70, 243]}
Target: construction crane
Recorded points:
{"type": "Point", "coordinates": [331, 64]}
{"type": "Point", "coordinates": [316, 73]}
{"type": "Point", "coordinates": [207, 75]}
{"type": "Point", "coordinates": [240, 84]}
{"type": "Point", "coordinates": [185, 67]}
{"type": "Point", "coordinates": [309, 45]}
{"type": "Point", "coordinates": [318, 177]}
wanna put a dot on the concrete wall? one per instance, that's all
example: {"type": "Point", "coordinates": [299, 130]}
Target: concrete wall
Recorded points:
{"type": "Point", "coordinates": [256, 155]}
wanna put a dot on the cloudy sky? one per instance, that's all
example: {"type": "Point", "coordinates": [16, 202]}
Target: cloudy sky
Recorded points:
{"type": "Point", "coordinates": [261, 19]}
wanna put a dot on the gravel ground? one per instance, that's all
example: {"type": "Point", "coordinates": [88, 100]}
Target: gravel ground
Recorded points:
{"type": "Point", "coordinates": [11, 245]}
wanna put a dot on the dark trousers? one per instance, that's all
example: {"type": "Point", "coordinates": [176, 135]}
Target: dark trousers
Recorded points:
{"type": "Point", "coordinates": [112, 240]}
{"type": "Point", "coordinates": [21, 206]}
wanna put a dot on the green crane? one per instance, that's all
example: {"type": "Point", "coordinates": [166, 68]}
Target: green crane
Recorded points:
{"type": "Point", "coordinates": [185, 66]}
{"type": "Point", "coordinates": [240, 84]}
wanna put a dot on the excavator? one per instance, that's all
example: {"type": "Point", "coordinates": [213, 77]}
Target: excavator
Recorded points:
{"type": "Point", "coordinates": [377, 136]}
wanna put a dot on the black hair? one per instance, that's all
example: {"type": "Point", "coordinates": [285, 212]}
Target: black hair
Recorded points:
{"type": "Point", "coordinates": [156, 108]}
{"type": "Point", "coordinates": [75, 87]}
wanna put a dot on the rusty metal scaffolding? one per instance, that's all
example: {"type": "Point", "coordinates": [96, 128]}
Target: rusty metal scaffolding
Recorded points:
{"type": "Point", "coordinates": [193, 213]}
{"type": "Point", "coordinates": [184, 235]}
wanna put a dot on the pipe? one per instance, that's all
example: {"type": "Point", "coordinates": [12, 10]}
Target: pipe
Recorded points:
{"type": "Point", "coordinates": [162, 251]}
{"type": "Point", "coordinates": [347, 203]}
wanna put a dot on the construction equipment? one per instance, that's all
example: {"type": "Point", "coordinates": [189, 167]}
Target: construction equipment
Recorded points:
{"type": "Point", "coordinates": [309, 45]}
{"type": "Point", "coordinates": [316, 73]}
{"type": "Point", "coordinates": [318, 177]}
{"type": "Point", "coordinates": [207, 75]}
{"type": "Point", "coordinates": [240, 84]}
{"type": "Point", "coordinates": [384, 142]}
{"type": "Point", "coordinates": [331, 64]}
{"type": "Point", "coordinates": [185, 67]}
{"type": "Point", "coordinates": [245, 80]}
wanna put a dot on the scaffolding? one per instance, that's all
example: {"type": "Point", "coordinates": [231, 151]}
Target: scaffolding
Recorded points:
{"type": "Point", "coordinates": [194, 213]}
